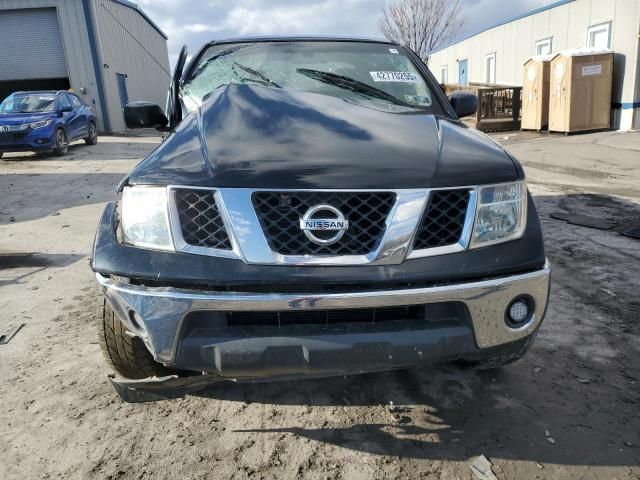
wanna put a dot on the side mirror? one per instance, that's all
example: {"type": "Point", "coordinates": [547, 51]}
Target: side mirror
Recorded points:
{"type": "Point", "coordinates": [144, 115]}
{"type": "Point", "coordinates": [66, 108]}
{"type": "Point", "coordinates": [464, 103]}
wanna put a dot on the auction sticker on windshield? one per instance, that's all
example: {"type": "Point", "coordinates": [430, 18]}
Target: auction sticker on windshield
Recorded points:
{"type": "Point", "coordinates": [404, 77]}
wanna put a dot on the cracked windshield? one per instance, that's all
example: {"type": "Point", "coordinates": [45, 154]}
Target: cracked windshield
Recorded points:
{"type": "Point", "coordinates": [369, 72]}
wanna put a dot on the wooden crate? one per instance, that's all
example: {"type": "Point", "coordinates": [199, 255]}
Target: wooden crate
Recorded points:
{"type": "Point", "coordinates": [498, 105]}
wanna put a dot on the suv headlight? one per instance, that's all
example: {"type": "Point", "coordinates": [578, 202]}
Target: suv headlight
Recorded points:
{"type": "Point", "coordinates": [40, 124]}
{"type": "Point", "coordinates": [145, 218]}
{"type": "Point", "coordinates": [501, 214]}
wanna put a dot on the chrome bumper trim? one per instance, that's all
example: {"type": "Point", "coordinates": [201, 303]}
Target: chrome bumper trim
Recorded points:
{"type": "Point", "coordinates": [159, 311]}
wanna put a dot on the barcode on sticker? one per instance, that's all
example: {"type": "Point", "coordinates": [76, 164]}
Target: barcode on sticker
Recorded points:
{"type": "Point", "coordinates": [403, 77]}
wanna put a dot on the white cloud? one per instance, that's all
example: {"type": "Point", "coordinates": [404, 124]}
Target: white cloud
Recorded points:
{"type": "Point", "coordinates": [196, 22]}
{"type": "Point", "coordinates": [199, 28]}
{"type": "Point", "coordinates": [321, 17]}
{"type": "Point", "coordinates": [246, 22]}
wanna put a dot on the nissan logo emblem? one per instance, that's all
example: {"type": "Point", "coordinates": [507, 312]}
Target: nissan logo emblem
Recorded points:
{"type": "Point", "coordinates": [324, 218]}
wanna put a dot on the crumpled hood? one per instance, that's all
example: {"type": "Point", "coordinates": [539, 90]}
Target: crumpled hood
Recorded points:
{"type": "Point", "coordinates": [253, 136]}
{"type": "Point", "coordinates": [22, 118]}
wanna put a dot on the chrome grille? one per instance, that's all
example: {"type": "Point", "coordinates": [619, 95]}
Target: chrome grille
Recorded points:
{"type": "Point", "coordinates": [200, 221]}
{"type": "Point", "coordinates": [280, 212]}
{"type": "Point", "coordinates": [443, 220]}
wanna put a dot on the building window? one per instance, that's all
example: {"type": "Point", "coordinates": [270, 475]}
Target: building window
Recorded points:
{"type": "Point", "coordinates": [599, 36]}
{"type": "Point", "coordinates": [444, 74]}
{"type": "Point", "coordinates": [544, 46]}
{"type": "Point", "coordinates": [490, 68]}
{"type": "Point", "coordinates": [462, 71]}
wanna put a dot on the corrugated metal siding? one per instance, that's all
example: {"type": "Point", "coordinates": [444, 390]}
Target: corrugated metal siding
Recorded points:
{"type": "Point", "coordinates": [75, 41]}
{"type": "Point", "coordinates": [129, 45]}
{"type": "Point", "coordinates": [44, 50]}
{"type": "Point", "coordinates": [514, 42]}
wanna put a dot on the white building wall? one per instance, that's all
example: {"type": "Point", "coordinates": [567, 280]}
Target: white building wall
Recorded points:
{"type": "Point", "coordinates": [568, 23]}
{"type": "Point", "coordinates": [130, 45]}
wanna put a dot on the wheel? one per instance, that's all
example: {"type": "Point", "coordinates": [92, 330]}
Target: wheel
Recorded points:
{"type": "Point", "coordinates": [127, 355]}
{"type": "Point", "coordinates": [92, 137]}
{"type": "Point", "coordinates": [62, 143]}
{"type": "Point", "coordinates": [499, 356]}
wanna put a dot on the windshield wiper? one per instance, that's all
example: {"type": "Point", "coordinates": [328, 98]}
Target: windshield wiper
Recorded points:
{"type": "Point", "coordinates": [353, 85]}
{"type": "Point", "coordinates": [264, 79]}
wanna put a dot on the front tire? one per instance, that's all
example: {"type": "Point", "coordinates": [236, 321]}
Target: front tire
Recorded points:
{"type": "Point", "coordinates": [92, 137]}
{"type": "Point", "coordinates": [62, 143]}
{"type": "Point", "coordinates": [127, 355]}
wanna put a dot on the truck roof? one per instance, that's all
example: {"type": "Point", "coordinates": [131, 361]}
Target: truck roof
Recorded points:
{"type": "Point", "coordinates": [299, 38]}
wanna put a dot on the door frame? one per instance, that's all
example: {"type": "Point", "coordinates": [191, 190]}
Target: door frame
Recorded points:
{"type": "Point", "coordinates": [121, 79]}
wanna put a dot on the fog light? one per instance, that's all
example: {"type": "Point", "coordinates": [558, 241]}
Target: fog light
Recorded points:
{"type": "Point", "coordinates": [519, 312]}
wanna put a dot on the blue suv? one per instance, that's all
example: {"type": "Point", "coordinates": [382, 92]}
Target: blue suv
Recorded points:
{"type": "Point", "coordinates": [45, 121]}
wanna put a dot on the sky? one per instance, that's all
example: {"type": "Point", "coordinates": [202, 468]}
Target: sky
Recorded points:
{"type": "Point", "coordinates": [195, 22]}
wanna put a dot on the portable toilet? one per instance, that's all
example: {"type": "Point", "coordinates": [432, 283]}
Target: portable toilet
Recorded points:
{"type": "Point", "coordinates": [580, 90]}
{"type": "Point", "coordinates": [535, 93]}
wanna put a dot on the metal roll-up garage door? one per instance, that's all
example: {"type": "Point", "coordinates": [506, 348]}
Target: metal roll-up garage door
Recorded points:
{"type": "Point", "coordinates": [31, 45]}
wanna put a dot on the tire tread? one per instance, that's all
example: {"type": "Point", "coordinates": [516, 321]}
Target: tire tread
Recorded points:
{"type": "Point", "coordinates": [88, 140]}
{"type": "Point", "coordinates": [127, 355]}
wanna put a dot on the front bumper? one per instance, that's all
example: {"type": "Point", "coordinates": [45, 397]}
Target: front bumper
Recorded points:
{"type": "Point", "coordinates": [188, 329]}
{"type": "Point", "coordinates": [31, 140]}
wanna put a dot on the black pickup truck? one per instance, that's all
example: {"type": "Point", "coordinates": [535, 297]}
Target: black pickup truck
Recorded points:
{"type": "Point", "coordinates": [317, 208]}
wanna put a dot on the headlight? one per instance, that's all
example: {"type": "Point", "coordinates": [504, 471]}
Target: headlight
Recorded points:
{"type": "Point", "coordinates": [501, 214]}
{"type": "Point", "coordinates": [145, 218]}
{"type": "Point", "coordinates": [40, 124]}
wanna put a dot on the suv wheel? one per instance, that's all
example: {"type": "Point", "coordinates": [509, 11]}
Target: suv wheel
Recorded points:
{"type": "Point", "coordinates": [127, 355]}
{"type": "Point", "coordinates": [62, 143]}
{"type": "Point", "coordinates": [92, 137]}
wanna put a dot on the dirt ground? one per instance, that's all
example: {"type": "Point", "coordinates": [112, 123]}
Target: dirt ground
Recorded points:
{"type": "Point", "coordinates": [569, 410]}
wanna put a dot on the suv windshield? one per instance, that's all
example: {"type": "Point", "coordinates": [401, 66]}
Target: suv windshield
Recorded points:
{"type": "Point", "coordinates": [358, 71]}
{"type": "Point", "coordinates": [28, 103]}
